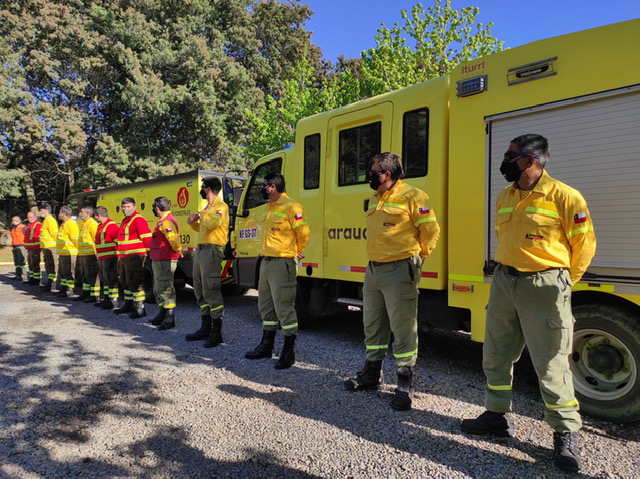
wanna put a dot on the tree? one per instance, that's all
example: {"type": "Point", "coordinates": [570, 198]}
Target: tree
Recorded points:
{"type": "Point", "coordinates": [441, 38]}
{"type": "Point", "coordinates": [429, 45]}
{"type": "Point", "coordinates": [101, 92]}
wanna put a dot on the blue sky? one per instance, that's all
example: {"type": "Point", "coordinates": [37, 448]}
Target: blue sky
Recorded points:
{"type": "Point", "coordinates": [349, 26]}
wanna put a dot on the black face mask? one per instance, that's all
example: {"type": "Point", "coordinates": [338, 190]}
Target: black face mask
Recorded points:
{"type": "Point", "coordinates": [155, 212]}
{"type": "Point", "coordinates": [374, 180]}
{"type": "Point", "coordinates": [203, 194]}
{"type": "Point", "coordinates": [511, 171]}
{"type": "Point", "coordinates": [264, 193]}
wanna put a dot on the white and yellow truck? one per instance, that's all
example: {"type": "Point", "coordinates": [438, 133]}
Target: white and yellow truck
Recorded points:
{"type": "Point", "coordinates": [183, 190]}
{"type": "Point", "coordinates": [582, 92]}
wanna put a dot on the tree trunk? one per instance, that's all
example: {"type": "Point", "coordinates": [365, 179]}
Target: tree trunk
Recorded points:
{"type": "Point", "coordinates": [30, 193]}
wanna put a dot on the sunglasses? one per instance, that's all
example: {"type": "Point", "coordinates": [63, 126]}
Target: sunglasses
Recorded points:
{"type": "Point", "coordinates": [510, 156]}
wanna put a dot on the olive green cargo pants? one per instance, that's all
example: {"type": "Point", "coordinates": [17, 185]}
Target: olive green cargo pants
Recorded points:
{"type": "Point", "coordinates": [277, 295]}
{"type": "Point", "coordinates": [531, 308]}
{"type": "Point", "coordinates": [163, 288]}
{"type": "Point", "coordinates": [207, 266]}
{"type": "Point", "coordinates": [390, 296]}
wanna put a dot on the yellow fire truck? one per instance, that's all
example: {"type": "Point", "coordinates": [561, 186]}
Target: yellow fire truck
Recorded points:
{"type": "Point", "coordinates": [183, 190]}
{"type": "Point", "coordinates": [582, 92]}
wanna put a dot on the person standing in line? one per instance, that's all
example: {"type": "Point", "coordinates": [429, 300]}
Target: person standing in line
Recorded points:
{"type": "Point", "coordinates": [545, 243]}
{"type": "Point", "coordinates": [17, 246]}
{"type": "Point", "coordinates": [32, 244]}
{"type": "Point", "coordinates": [106, 236]}
{"type": "Point", "coordinates": [67, 248]}
{"type": "Point", "coordinates": [212, 225]}
{"type": "Point", "coordinates": [48, 238]}
{"type": "Point", "coordinates": [284, 235]}
{"type": "Point", "coordinates": [87, 259]}
{"type": "Point", "coordinates": [402, 231]}
{"type": "Point", "coordinates": [134, 238]}
{"type": "Point", "coordinates": [165, 249]}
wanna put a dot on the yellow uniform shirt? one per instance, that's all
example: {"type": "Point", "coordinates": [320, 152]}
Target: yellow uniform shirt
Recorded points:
{"type": "Point", "coordinates": [67, 244]}
{"type": "Point", "coordinates": [213, 225]}
{"type": "Point", "coordinates": [400, 224]}
{"type": "Point", "coordinates": [550, 228]}
{"type": "Point", "coordinates": [87, 241]}
{"type": "Point", "coordinates": [283, 228]}
{"type": "Point", "coordinates": [49, 232]}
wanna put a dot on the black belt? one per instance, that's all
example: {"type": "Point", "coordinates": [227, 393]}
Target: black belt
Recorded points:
{"type": "Point", "coordinates": [511, 271]}
{"type": "Point", "coordinates": [209, 246]}
{"type": "Point", "coordinates": [269, 258]}
{"type": "Point", "coordinates": [381, 263]}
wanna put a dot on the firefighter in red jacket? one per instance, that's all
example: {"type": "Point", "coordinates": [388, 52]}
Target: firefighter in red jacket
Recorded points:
{"type": "Point", "coordinates": [106, 236]}
{"type": "Point", "coordinates": [32, 245]}
{"type": "Point", "coordinates": [166, 248]}
{"type": "Point", "coordinates": [134, 238]}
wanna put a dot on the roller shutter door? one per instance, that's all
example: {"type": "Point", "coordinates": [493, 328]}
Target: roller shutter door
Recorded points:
{"type": "Point", "coordinates": [595, 148]}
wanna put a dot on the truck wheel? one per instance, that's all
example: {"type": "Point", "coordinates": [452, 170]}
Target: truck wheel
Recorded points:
{"type": "Point", "coordinates": [606, 362]}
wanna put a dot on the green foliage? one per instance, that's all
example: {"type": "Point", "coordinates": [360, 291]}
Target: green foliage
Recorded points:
{"type": "Point", "coordinates": [101, 92]}
{"type": "Point", "coordinates": [428, 45]}
{"type": "Point", "coordinates": [440, 37]}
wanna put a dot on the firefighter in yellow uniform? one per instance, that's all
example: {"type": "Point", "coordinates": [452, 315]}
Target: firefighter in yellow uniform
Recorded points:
{"type": "Point", "coordinates": [284, 234]}
{"type": "Point", "coordinates": [87, 259]}
{"type": "Point", "coordinates": [402, 231]}
{"type": "Point", "coordinates": [212, 225]}
{"type": "Point", "coordinates": [67, 247]}
{"type": "Point", "coordinates": [48, 238]}
{"type": "Point", "coordinates": [546, 242]}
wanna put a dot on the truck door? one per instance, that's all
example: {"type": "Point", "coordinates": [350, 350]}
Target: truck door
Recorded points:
{"type": "Point", "coordinates": [352, 140]}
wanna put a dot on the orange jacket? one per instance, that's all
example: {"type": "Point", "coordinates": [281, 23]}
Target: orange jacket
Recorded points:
{"type": "Point", "coordinates": [17, 235]}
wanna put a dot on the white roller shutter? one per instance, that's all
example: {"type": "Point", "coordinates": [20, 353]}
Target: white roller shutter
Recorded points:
{"type": "Point", "coordinates": [595, 148]}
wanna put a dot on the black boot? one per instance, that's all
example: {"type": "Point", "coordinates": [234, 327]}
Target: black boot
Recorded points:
{"type": "Point", "coordinates": [106, 303]}
{"type": "Point", "coordinates": [565, 451]}
{"type": "Point", "coordinates": [47, 286]}
{"type": "Point", "coordinates": [265, 348]}
{"type": "Point", "coordinates": [90, 299]}
{"type": "Point", "coordinates": [138, 310]}
{"type": "Point", "coordinates": [368, 379]}
{"type": "Point", "coordinates": [157, 320]}
{"type": "Point", "coordinates": [488, 423]}
{"type": "Point", "coordinates": [84, 295]}
{"type": "Point", "coordinates": [168, 321]}
{"type": "Point", "coordinates": [203, 332]}
{"type": "Point", "coordinates": [402, 396]}
{"type": "Point", "coordinates": [34, 281]}
{"type": "Point", "coordinates": [127, 307]}
{"type": "Point", "coordinates": [288, 354]}
{"type": "Point", "coordinates": [62, 292]}
{"type": "Point", "coordinates": [215, 337]}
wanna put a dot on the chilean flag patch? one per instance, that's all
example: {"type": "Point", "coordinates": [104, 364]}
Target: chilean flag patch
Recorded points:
{"type": "Point", "coordinates": [580, 218]}
{"type": "Point", "coordinates": [219, 212]}
{"type": "Point", "coordinates": [424, 210]}
{"type": "Point", "coordinates": [298, 217]}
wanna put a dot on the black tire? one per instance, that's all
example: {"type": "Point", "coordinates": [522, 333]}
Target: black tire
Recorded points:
{"type": "Point", "coordinates": [606, 362]}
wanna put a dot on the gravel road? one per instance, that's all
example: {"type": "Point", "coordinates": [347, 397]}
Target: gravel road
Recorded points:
{"type": "Point", "coordinates": [86, 393]}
